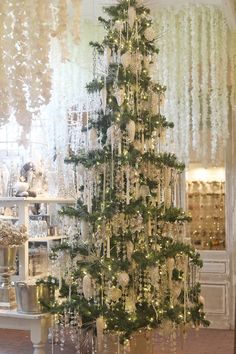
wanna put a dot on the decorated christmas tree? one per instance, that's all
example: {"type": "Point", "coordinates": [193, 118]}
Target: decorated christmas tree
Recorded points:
{"type": "Point", "coordinates": [127, 267]}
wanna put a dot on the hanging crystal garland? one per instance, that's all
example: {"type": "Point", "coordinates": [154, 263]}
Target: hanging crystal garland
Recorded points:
{"type": "Point", "coordinates": [201, 43]}
{"type": "Point", "coordinates": [26, 77]}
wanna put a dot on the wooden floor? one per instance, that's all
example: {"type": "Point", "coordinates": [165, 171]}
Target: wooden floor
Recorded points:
{"type": "Point", "coordinates": [204, 341]}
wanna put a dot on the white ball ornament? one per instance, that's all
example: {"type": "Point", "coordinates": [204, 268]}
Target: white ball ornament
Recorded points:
{"type": "Point", "coordinates": [123, 279]}
{"type": "Point", "coordinates": [149, 34]}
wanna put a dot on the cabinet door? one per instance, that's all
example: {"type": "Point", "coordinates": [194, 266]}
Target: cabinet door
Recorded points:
{"type": "Point", "coordinates": [208, 230]}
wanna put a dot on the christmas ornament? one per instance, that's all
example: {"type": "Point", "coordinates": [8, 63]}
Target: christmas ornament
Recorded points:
{"type": "Point", "coordinates": [103, 96]}
{"type": "Point", "coordinates": [130, 249]}
{"type": "Point", "coordinates": [131, 16]}
{"type": "Point", "coordinates": [154, 274]}
{"type": "Point", "coordinates": [149, 34]}
{"type": "Point", "coordinates": [136, 62]}
{"type": "Point", "coordinates": [126, 59]}
{"type": "Point", "coordinates": [201, 299]}
{"type": "Point", "coordinates": [130, 304]}
{"type": "Point", "coordinates": [107, 56]}
{"type": "Point", "coordinates": [87, 286]}
{"type": "Point", "coordinates": [119, 25]}
{"type": "Point", "coordinates": [120, 95]}
{"type": "Point", "coordinates": [123, 279]}
{"type": "Point", "coordinates": [114, 294]}
{"type": "Point", "coordinates": [146, 62]}
{"type": "Point", "coordinates": [130, 127]}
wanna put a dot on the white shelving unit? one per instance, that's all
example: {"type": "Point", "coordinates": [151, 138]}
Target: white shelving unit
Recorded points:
{"type": "Point", "coordinates": [22, 205]}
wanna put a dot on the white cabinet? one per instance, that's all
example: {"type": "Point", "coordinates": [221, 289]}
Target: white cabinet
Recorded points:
{"type": "Point", "coordinates": [20, 210]}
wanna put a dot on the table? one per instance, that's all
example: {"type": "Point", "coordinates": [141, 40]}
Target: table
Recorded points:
{"type": "Point", "coordinates": [38, 326]}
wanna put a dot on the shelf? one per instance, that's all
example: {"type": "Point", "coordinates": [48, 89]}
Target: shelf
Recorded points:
{"type": "Point", "coordinates": [31, 200]}
{"type": "Point", "coordinates": [23, 206]}
{"type": "Point", "coordinates": [2, 217]}
{"type": "Point", "coordinates": [46, 238]}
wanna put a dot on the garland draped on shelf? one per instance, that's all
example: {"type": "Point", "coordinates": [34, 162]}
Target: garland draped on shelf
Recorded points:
{"type": "Point", "coordinates": [194, 52]}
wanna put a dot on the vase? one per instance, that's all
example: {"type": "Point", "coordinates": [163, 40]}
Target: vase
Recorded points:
{"type": "Point", "coordinates": [7, 268]}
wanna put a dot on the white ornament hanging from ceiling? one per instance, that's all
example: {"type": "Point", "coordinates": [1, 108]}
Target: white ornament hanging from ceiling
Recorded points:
{"type": "Point", "coordinates": [194, 56]}
{"type": "Point", "coordinates": [26, 30]}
